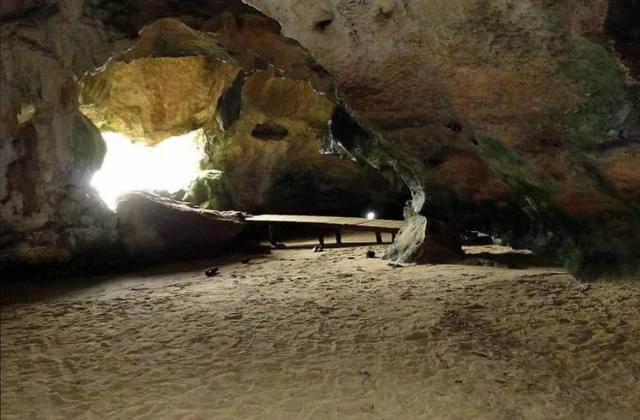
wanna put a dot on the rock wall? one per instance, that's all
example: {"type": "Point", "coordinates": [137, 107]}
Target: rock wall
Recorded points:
{"type": "Point", "coordinates": [517, 117]}
{"type": "Point", "coordinates": [264, 107]}
{"type": "Point", "coordinates": [49, 149]}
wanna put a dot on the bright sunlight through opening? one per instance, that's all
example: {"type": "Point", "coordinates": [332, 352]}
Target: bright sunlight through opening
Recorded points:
{"type": "Point", "coordinates": [171, 165]}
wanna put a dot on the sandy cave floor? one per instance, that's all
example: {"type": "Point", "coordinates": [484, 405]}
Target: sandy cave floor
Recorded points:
{"type": "Point", "coordinates": [331, 335]}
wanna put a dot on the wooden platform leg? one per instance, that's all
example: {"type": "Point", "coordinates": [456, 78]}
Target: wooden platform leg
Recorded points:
{"type": "Point", "coordinates": [320, 238]}
{"type": "Point", "coordinates": [338, 236]}
{"type": "Point", "coordinates": [379, 237]}
{"type": "Point", "coordinates": [255, 233]}
{"type": "Point", "coordinates": [393, 237]}
{"type": "Point", "coordinates": [273, 234]}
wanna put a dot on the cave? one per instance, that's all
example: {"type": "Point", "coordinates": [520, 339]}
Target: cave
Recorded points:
{"type": "Point", "coordinates": [346, 209]}
{"type": "Point", "coordinates": [229, 109]}
{"type": "Point", "coordinates": [168, 168]}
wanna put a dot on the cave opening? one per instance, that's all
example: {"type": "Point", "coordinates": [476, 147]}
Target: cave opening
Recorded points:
{"type": "Point", "coordinates": [166, 168]}
{"type": "Point", "coordinates": [216, 131]}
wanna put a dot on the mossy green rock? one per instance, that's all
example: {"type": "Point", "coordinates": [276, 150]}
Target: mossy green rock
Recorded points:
{"type": "Point", "coordinates": [209, 191]}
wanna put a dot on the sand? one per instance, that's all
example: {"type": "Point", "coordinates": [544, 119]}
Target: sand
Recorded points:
{"type": "Point", "coordinates": [331, 335]}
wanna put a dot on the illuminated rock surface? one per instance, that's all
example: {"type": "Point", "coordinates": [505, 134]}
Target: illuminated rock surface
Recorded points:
{"type": "Point", "coordinates": [263, 125]}
{"type": "Point", "coordinates": [209, 191]}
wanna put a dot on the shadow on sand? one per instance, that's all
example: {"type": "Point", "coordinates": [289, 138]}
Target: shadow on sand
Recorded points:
{"type": "Point", "coordinates": [34, 286]}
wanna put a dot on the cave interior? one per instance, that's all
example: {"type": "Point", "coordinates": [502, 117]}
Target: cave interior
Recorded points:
{"type": "Point", "coordinates": [499, 139]}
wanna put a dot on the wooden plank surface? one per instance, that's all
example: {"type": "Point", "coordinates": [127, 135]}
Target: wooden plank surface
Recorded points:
{"type": "Point", "coordinates": [393, 224]}
{"type": "Point", "coordinates": [359, 223]}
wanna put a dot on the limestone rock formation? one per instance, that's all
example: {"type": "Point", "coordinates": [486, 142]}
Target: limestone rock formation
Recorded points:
{"type": "Point", "coordinates": [151, 99]}
{"type": "Point", "coordinates": [424, 241]}
{"type": "Point", "coordinates": [49, 150]}
{"type": "Point", "coordinates": [521, 118]}
{"type": "Point", "coordinates": [517, 118]}
{"type": "Point", "coordinates": [263, 125]}
{"type": "Point", "coordinates": [208, 191]}
{"type": "Point", "coordinates": [154, 228]}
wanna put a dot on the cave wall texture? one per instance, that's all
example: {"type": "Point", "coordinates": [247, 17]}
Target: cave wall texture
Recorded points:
{"type": "Point", "coordinates": [519, 118]}
{"type": "Point", "coordinates": [262, 101]}
{"type": "Point", "coordinates": [263, 106]}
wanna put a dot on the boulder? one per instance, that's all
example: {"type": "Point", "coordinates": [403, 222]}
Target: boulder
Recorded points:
{"type": "Point", "coordinates": [154, 228]}
{"type": "Point", "coordinates": [424, 241]}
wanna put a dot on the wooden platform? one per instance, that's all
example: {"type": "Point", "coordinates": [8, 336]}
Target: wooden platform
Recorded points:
{"type": "Point", "coordinates": [323, 223]}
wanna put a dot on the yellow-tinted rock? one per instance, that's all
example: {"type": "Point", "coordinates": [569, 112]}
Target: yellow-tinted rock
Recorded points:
{"type": "Point", "coordinates": [263, 127]}
{"type": "Point", "coordinates": [151, 99]}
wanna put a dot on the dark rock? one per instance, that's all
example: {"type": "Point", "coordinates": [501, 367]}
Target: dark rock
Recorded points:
{"type": "Point", "coordinates": [18, 8]}
{"type": "Point", "coordinates": [476, 238]}
{"type": "Point", "coordinates": [371, 254]}
{"type": "Point", "coordinates": [269, 131]}
{"type": "Point", "coordinates": [322, 25]}
{"type": "Point", "coordinates": [454, 126]}
{"type": "Point", "coordinates": [154, 228]}
{"type": "Point", "coordinates": [213, 271]}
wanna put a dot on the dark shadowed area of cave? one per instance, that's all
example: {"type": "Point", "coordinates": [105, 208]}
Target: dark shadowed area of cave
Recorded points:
{"type": "Point", "coordinates": [283, 209]}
